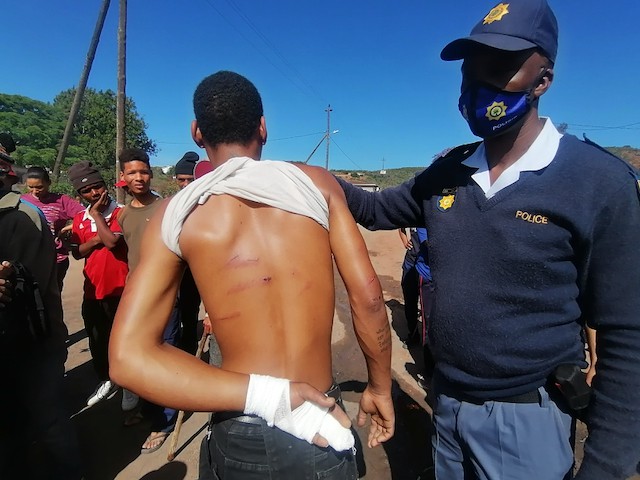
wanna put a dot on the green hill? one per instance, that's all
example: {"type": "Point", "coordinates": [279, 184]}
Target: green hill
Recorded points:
{"type": "Point", "coordinates": [395, 176]}
{"type": "Point", "coordinates": [630, 154]}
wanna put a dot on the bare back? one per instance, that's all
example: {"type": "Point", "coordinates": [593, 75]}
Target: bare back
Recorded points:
{"type": "Point", "coordinates": [266, 280]}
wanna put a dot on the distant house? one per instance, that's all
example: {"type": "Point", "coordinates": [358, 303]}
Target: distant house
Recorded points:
{"type": "Point", "coordinates": [349, 177]}
{"type": "Point", "coordinates": [369, 187]}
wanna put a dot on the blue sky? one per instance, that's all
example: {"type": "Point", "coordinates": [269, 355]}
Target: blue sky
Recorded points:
{"type": "Point", "coordinates": [376, 62]}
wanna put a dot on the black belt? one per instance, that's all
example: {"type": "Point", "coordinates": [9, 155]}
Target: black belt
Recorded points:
{"type": "Point", "coordinates": [528, 397]}
{"type": "Point", "coordinates": [238, 416]}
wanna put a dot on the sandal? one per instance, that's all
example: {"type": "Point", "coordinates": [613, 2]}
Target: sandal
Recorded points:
{"type": "Point", "coordinates": [155, 440]}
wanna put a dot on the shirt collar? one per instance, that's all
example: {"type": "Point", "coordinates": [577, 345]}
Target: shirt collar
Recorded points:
{"type": "Point", "coordinates": [106, 214]}
{"type": "Point", "coordinates": [538, 156]}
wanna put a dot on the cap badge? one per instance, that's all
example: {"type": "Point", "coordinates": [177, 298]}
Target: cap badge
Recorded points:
{"type": "Point", "coordinates": [496, 111]}
{"type": "Point", "coordinates": [496, 13]}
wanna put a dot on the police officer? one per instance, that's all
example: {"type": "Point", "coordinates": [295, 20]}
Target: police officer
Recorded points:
{"type": "Point", "coordinates": [532, 235]}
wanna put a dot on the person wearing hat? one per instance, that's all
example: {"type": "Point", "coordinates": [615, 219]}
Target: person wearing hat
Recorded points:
{"type": "Point", "coordinates": [532, 235]}
{"type": "Point", "coordinates": [189, 297]}
{"type": "Point", "coordinates": [96, 236]}
{"type": "Point", "coordinates": [31, 359]}
{"type": "Point", "coordinates": [184, 169]}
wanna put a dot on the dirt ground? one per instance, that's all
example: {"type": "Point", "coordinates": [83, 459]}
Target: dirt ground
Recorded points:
{"type": "Point", "coordinates": [112, 451]}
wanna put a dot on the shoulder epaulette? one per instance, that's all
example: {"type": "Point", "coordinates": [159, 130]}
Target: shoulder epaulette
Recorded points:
{"type": "Point", "coordinates": [457, 154]}
{"type": "Point", "coordinates": [602, 149]}
{"type": "Point", "coordinates": [632, 171]}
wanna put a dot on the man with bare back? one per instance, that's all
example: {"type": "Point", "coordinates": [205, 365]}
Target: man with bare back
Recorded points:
{"type": "Point", "coordinates": [260, 238]}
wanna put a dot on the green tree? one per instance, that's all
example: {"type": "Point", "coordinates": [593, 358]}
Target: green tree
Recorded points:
{"type": "Point", "coordinates": [94, 131]}
{"type": "Point", "coordinates": [36, 127]}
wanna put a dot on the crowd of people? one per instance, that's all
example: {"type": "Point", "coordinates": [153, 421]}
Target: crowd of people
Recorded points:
{"type": "Point", "coordinates": [518, 245]}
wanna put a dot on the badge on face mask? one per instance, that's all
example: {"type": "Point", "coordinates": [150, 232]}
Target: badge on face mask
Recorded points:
{"type": "Point", "coordinates": [490, 111]}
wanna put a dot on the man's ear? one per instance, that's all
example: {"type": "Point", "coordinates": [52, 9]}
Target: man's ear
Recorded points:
{"type": "Point", "coordinates": [545, 83]}
{"type": "Point", "coordinates": [196, 134]}
{"type": "Point", "coordinates": [262, 129]}
{"type": "Point", "coordinates": [121, 175]}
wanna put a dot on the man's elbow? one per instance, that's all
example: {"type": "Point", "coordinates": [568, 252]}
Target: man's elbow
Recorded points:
{"type": "Point", "coordinates": [110, 244]}
{"type": "Point", "coordinates": [370, 302]}
{"type": "Point", "coordinates": [119, 363]}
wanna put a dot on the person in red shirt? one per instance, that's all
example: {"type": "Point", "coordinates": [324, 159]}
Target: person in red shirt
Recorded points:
{"type": "Point", "coordinates": [97, 237]}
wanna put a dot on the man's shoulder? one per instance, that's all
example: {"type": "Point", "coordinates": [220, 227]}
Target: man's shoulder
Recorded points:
{"type": "Point", "coordinates": [591, 162]}
{"type": "Point", "coordinates": [447, 168]}
{"type": "Point", "coordinates": [12, 203]}
{"type": "Point", "coordinates": [452, 157]}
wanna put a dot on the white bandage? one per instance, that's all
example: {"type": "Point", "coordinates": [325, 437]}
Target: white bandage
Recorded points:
{"type": "Point", "coordinates": [269, 398]}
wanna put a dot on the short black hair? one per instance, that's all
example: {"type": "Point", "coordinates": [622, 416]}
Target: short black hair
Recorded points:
{"type": "Point", "coordinates": [38, 173]}
{"type": "Point", "coordinates": [228, 108]}
{"type": "Point", "coordinates": [133, 155]}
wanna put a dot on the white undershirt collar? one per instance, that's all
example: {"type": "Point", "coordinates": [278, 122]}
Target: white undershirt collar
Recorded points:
{"type": "Point", "coordinates": [538, 156]}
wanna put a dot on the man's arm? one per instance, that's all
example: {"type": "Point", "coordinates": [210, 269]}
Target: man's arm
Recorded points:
{"type": "Point", "coordinates": [612, 308]}
{"type": "Point", "coordinates": [107, 237]}
{"type": "Point", "coordinates": [368, 311]}
{"type": "Point", "coordinates": [392, 208]}
{"type": "Point", "coordinates": [161, 373]}
{"type": "Point", "coordinates": [82, 250]}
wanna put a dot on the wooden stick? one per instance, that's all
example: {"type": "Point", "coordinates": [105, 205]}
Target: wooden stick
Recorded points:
{"type": "Point", "coordinates": [176, 431]}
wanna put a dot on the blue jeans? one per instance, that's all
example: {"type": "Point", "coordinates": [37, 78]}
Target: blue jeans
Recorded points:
{"type": "Point", "coordinates": [501, 441]}
{"type": "Point", "coordinates": [254, 451]}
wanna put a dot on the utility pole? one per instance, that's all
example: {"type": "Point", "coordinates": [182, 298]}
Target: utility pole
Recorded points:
{"type": "Point", "coordinates": [328, 134]}
{"type": "Point", "coordinates": [121, 97]}
{"type": "Point", "coordinates": [82, 84]}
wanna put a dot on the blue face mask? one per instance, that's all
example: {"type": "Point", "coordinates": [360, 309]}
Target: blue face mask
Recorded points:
{"type": "Point", "coordinates": [490, 111]}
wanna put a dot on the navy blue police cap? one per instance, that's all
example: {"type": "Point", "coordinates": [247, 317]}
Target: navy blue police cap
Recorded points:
{"type": "Point", "coordinates": [512, 25]}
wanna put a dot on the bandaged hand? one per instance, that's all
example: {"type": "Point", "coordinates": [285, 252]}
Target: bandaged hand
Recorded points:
{"type": "Point", "coordinates": [269, 398]}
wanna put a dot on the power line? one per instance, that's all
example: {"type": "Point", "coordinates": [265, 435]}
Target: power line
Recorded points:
{"type": "Point", "coordinates": [348, 157]}
{"type": "Point", "coordinates": [266, 57]}
{"type": "Point", "coordinates": [273, 48]}
{"type": "Point", "coordinates": [629, 126]}
{"type": "Point", "coordinates": [295, 136]}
